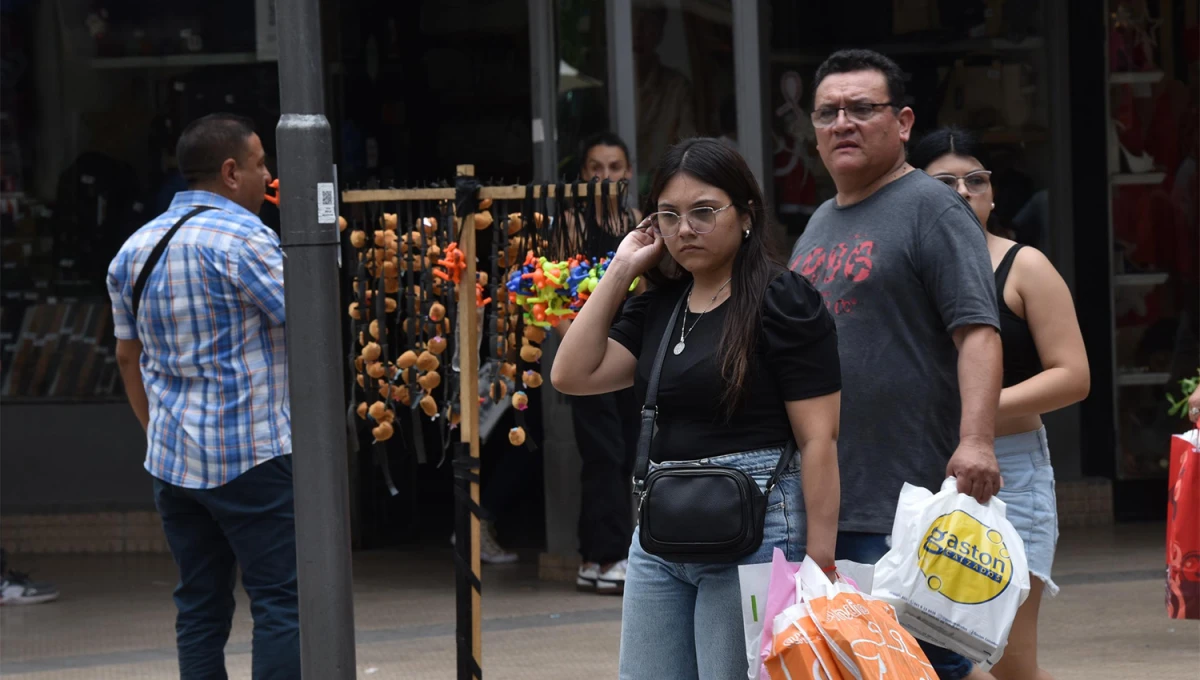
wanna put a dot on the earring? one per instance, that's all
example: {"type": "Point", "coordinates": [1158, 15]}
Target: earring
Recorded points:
{"type": "Point", "coordinates": [746, 234]}
{"type": "Point", "coordinates": [993, 206]}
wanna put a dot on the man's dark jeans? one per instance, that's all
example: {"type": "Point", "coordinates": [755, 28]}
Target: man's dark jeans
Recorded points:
{"type": "Point", "coordinates": [249, 522]}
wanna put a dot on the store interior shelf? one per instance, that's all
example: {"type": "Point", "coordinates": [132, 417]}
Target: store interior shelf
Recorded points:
{"type": "Point", "coordinates": [1126, 179]}
{"type": "Point", "coordinates": [1135, 77]}
{"type": "Point", "coordinates": [175, 60]}
{"type": "Point", "coordinates": [919, 48]}
{"type": "Point", "coordinates": [1148, 279]}
{"type": "Point", "coordinates": [1132, 378]}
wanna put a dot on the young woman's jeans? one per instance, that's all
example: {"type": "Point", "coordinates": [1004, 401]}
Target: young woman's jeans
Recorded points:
{"type": "Point", "coordinates": [684, 621]}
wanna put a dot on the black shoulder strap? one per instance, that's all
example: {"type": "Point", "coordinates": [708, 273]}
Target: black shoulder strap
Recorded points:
{"type": "Point", "coordinates": [156, 255]}
{"type": "Point", "coordinates": [1003, 270]}
{"type": "Point", "coordinates": [1006, 265]}
{"type": "Point", "coordinates": [650, 409]}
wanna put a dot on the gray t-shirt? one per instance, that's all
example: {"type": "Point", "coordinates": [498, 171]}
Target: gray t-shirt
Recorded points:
{"type": "Point", "coordinates": [899, 271]}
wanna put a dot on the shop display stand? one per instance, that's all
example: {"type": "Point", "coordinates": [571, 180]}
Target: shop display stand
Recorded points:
{"type": "Point", "coordinates": [1124, 285]}
{"type": "Point", "coordinates": [467, 563]}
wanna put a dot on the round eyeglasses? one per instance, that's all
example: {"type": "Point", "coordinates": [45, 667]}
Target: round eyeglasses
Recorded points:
{"type": "Point", "coordinates": [976, 182]}
{"type": "Point", "coordinates": [701, 220]}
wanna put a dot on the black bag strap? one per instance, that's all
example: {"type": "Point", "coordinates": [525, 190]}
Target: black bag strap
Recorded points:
{"type": "Point", "coordinates": [650, 413]}
{"type": "Point", "coordinates": [650, 409]}
{"type": "Point", "coordinates": [156, 255]}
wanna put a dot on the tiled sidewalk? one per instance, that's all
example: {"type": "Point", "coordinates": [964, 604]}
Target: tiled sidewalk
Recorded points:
{"type": "Point", "coordinates": [115, 618]}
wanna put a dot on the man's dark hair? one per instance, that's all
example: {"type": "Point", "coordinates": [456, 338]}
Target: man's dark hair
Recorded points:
{"type": "Point", "coordinates": [849, 61]}
{"type": "Point", "coordinates": [602, 139]}
{"type": "Point", "coordinates": [206, 143]}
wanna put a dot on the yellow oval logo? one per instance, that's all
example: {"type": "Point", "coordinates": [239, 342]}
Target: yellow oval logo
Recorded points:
{"type": "Point", "coordinates": [964, 560]}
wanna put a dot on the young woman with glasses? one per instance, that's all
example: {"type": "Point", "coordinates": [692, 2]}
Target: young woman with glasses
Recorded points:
{"type": "Point", "coordinates": [752, 365]}
{"type": "Point", "coordinates": [1045, 369]}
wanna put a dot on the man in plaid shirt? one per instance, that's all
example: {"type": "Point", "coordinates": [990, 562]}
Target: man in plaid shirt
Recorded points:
{"type": "Point", "coordinates": [203, 360]}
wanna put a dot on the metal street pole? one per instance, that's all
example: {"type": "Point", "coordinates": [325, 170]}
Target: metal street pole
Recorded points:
{"type": "Point", "coordinates": [308, 212]}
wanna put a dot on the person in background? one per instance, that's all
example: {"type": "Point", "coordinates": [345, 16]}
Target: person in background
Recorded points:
{"type": "Point", "coordinates": [755, 366]}
{"type": "Point", "coordinates": [204, 364]}
{"type": "Point", "coordinates": [17, 588]}
{"type": "Point", "coordinates": [904, 267]}
{"type": "Point", "coordinates": [1045, 369]}
{"type": "Point", "coordinates": [605, 424]}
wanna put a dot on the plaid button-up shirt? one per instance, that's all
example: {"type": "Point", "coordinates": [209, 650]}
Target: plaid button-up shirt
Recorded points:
{"type": "Point", "coordinates": [211, 323]}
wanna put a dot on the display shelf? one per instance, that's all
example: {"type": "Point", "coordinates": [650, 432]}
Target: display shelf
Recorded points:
{"type": "Point", "coordinates": [1137, 378]}
{"type": "Point", "coordinates": [1141, 280]}
{"type": "Point", "coordinates": [175, 61]}
{"type": "Point", "coordinates": [1143, 178]}
{"type": "Point", "coordinates": [1135, 77]}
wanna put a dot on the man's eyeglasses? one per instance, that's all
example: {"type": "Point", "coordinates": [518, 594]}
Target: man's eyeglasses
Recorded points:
{"type": "Point", "coordinates": [701, 220]}
{"type": "Point", "coordinates": [976, 182]}
{"type": "Point", "coordinates": [859, 112]}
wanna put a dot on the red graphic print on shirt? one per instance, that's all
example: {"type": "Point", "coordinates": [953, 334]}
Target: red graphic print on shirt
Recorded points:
{"type": "Point", "coordinates": [824, 267]}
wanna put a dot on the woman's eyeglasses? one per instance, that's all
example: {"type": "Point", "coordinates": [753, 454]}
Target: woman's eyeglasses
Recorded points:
{"type": "Point", "coordinates": [976, 182]}
{"type": "Point", "coordinates": [701, 220]}
{"type": "Point", "coordinates": [859, 112]}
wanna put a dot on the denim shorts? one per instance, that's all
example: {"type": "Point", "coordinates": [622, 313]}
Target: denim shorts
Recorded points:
{"type": "Point", "coordinates": [684, 621]}
{"type": "Point", "coordinates": [1029, 496]}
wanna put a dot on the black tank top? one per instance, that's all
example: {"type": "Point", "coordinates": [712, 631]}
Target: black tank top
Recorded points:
{"type": "Point", "coordinates": [1021, 360]}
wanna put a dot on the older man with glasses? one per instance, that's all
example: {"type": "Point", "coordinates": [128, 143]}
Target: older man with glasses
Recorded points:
{"type": "Point", "coordinates": [903, 266]}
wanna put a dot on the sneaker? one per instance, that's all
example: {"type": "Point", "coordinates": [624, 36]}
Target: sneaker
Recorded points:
{"type": "Point", "coordinates": [586, 578]}
{"type": "Point", "coordinates": [612, 581]}
{"type": "Point", "coordinates": [16, 588]}
{"type": "Point", "coordinates": [490, 551]}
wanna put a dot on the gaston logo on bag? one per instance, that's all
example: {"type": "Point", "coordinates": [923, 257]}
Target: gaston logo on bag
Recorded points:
{"type": "Point", "coordinates": [964, 560]}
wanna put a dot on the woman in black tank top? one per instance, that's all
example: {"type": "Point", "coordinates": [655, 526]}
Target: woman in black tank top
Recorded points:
{"type": "Point", "coordinates": [1045, 369]}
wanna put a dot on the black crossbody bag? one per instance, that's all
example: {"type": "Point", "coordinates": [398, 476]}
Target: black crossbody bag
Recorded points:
{"type": "Point", "coordinates": [696, 512]}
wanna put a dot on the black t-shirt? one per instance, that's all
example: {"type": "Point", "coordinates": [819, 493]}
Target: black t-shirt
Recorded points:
{"type": "Point", "coordinates": [796, 358]}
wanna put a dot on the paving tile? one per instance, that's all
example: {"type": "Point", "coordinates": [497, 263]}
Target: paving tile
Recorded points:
{"type": "Point", "coordinates": [115, 619]}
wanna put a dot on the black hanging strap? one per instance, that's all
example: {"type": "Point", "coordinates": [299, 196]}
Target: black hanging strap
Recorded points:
{"type": "Point", "coordinates": [155, 255]}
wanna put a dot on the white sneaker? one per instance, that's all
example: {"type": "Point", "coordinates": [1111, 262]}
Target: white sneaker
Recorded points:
{"type": "Point", "coordinates": [16, 588]}
{"type": "Point", "coordinates": [586, 578]}
{"type": "Point", "coordinates": [612, 582]}
{"type": "Point", "coordinates": [490, 551]}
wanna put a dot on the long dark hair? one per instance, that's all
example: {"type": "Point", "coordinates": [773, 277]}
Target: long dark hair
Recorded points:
{"type": "Point", "coordinates": [755, 265]}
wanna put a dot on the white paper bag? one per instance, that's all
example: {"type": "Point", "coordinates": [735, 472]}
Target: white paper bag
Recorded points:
{"type": "Point", "coordinates": [956, 573]}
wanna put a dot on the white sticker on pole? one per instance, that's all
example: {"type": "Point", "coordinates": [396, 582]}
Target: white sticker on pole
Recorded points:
{"type": "Point", "coordinates": [326, 203]}
{"type": "Point", "coordinates": [539, 131]}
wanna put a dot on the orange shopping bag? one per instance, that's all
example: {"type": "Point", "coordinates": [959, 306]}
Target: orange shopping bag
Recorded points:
{"type": "Point", "coordinates": [862, 633]}
{"type": "Point", "coordinates": [799, 651]}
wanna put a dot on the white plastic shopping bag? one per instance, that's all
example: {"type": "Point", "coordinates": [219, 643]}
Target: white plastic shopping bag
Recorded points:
{"type": "Point", "coordinates": [956, 573]}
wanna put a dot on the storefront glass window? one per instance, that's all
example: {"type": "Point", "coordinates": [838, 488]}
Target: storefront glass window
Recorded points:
{"type": "Point", "coordinates": [683, 63]}
{"type": "Point", "coordinates": [977, 65]}
{"type": "Point", "coordinates": [94, 97]}
{"type": "Point", "coordinates": [583, 79]}
{"type": "Point", "coordinates": [1153, 89]}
